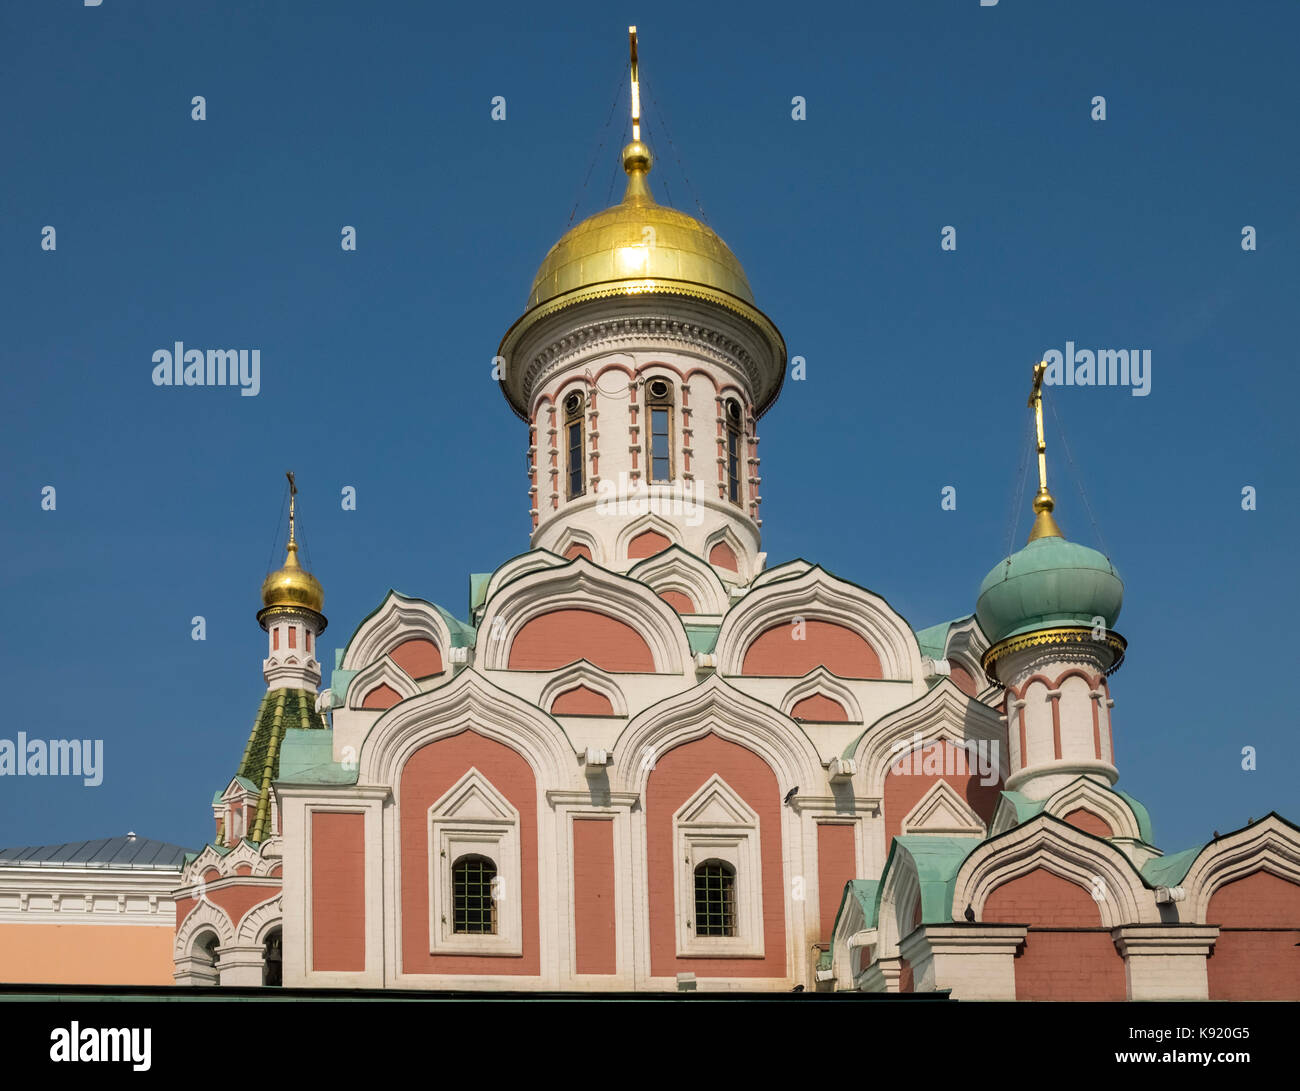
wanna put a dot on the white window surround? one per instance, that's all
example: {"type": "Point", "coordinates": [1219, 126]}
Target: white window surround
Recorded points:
{"type": "Point", "coordinates": [716, 824]}
{"type": "Point", "coordinates": [473, 818]}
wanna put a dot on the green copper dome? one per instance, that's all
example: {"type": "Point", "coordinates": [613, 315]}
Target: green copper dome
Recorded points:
{"type": "Point", "coordinates": [1049, 583]}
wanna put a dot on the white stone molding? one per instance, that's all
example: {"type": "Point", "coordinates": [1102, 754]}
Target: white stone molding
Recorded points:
{"type": "Point", "coordinates": [789, 570]}
{"type": "Point", "coordinates": [899, 895]}
{"type": "Point", "coordinates": [675, 569]}
{"type": "Point", "coordinates": [582, 585]}
{"type": "Point", "coordinates": [1166, 961]}
{"type": "Point", "coordinates": [206, 916]}
{"type": "Point", "coordinates": [942, 714]}
{"type": "Point", "coordinates": [744, 565]}
{"type": "Point", "coordinates": [715, 707]}
{"type": "Point", "coordinates": [382, 671]}
{"type": "Point", "coordinates": [817, 595]}
{"type": "Point", "coordinates": [1094, 865]}
{"type": "Point", "coordinates": [532, 561]}
{"type": "Point", "coordinates": [468, 701]}
{"type": "Point", "coordinates": [841, 770]}
{"type": "Point", "coordinates": [1270, 845]}
{"type": "Point", "coordinates": [397, 620]}
{"type": "Point", "coordinates": [261, 861]}
{"type": "Point", "coordinates": [851, 935]}
{"type": "Point", "coordinates": [260, 921]}
{"type": "Point", "coordinates": [819, 682]}
{"type": "Point", "coordinates": [717, 824]}
{"type": "Point", "coordinates": [474, 818]}
{"type": "Point", "coordinates": [942, 810]}
{"type": "Point", "coordinates": [972, 961]}
{"type": "Point", "coordinates": [570, 536]}
{"type": "Point", "coordinates": [586, 674]}
{"type": "Point", "coordinates": [1088, 794]}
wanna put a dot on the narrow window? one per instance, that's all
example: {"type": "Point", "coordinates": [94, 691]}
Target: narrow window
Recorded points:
{"type": "Point", "coordinates": [659, 399]}
{"type": "Point", "coordinates": [309, 640]}
{"type": "Point", "coordinates": [275, 639]}
{"type": "Point", "coordinates": [293, 636]}
{"type": "Point", "coordinates": [573, 407]}
{"type": "Point", "coordinates": [474, 910]}
{"type": "Point", "coordinates": [734, 448]}
{"type": "Point", "coordinates": [715, 899]}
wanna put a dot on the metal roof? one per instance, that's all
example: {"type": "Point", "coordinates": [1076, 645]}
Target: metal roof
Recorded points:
{"type": "Point", "coordinates": [131, 852]}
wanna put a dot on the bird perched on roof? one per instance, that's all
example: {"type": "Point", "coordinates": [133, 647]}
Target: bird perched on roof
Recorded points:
{"type": "Point", "coordinates": [970, 914]}
{"type": "Point", "coordinates": [791, 794]}
{"type": "Point", "coordinates": [1216, 835]}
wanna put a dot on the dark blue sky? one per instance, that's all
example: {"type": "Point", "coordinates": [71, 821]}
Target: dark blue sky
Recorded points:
{"type": "Point", "coordinates": [376, 365]}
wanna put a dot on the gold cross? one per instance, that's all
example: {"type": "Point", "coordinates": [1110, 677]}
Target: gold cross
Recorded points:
{"type": "Point", "coordinates": [636, 87]}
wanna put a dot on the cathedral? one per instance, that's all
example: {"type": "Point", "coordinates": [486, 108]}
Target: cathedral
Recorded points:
{"type": "Point", "coordinates": [642, 757]}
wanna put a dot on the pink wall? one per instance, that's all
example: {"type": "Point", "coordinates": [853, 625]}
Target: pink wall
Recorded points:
{"type": "Point", "coordinates": [840, 650]}
{"type": "Point", "coordinates": [338, 891]}
{"type": "Point", "coordinates": [593, 896]}
{"type": "Point", "coordinates": [565, 636]}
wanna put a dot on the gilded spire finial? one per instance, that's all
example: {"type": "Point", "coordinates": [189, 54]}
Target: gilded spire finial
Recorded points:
{"type": "Point", "coordinates": [1044, 524]}
{"type": "Point", "coordinates": [637, 159]}
{"type": "Point", "coordinates": [291, 560]}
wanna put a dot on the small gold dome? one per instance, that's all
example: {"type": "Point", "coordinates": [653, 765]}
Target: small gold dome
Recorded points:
{"type": "Point", "coordinates": [293, 585]}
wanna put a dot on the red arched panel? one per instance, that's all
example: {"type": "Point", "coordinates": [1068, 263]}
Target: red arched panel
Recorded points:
{"type": "Point", "coordinates": [820, 708]}
{"type": "Point", "coordinates": [561, 637]}
{"type": "Point", "coordinates": [647, 544]}
{"type": "Point", "coordinates": [581, 701]}
{"type": "Point", "coordinates": [789, 651]}
{"type": "Point", "coordinates": [420, 658]}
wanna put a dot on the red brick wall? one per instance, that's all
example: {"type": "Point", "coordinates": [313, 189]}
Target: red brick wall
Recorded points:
{"type": "Point", "coordinates": [1058, 965]}
{"type": "Point", "coordinates": [1090, 822]}
{"type": "Point", "coordinates": [419, 658]}
{"type": "Point", "coordinates": [575, 551]}
{"type": "Point", "coordinates": [565, 636]}
{"type": "Point", "coordinates": [425, 778]}
{"type": "Point", "coordinates": [840, 650]}
{"type": "Point", "coordinates": [819, 708]}
{"type": "Point", "coordinates": [678, 601]}
{"type": "Point", "coordinates": [647, 544]}
{"type": "Point", "coordinates": [338, 891]}
{"type": "Point", "coordinates": [382, 696]}
{"type": "Point", "coordinates": [675, 778]}
{"type": "Point", "coordinates": [723, 556]}
{"type": "Point", "coordinates": [593, 896]}
{"type": "Point", "coordinates": [836, 865]}
{"type": "Point", "coordinates": [962, 679]}
{"type": "Point", "coordinates": [581, 701]}
{"type": "Point", "coordinates": [1248, 962]}
{"type": "Point", "coordinates": [904, 790]}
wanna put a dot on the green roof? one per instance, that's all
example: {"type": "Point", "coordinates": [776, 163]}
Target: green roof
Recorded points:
{"type": "Point", "coordinates": [1141, 814]}
{"type": "Point", "coordinates": [308, 758]}
{"type": "Point", "coordinates": [937, 857]}
{"type": "Point", "coordinates": [281, 709]}
{"type": "Point", "coordinates": [1172, 869]}
{"type": "Point", "coordinates": [863, 891]}
{"type": "Point", "coordinates": [702, 637]}
{"type": "Point", "coordinates": [934, 639]}
{"type": "Point", "coordinates": [478, 585]}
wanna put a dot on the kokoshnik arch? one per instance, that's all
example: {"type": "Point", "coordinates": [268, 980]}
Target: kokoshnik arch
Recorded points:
{"type": "Point", "coordinates": [647, 760]}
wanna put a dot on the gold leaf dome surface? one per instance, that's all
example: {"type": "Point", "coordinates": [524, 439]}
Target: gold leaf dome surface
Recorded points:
{"type": "Point", "coordinates": [638, 245]}
{"type": "Point", "coordinates": [292, 585]}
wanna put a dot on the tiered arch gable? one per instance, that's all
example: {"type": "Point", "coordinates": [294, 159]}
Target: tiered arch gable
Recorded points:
{"type": "Point", "coordinates": [663, 535]}
{"type": "Point", "coordinates": [943, 713]}
{"type": "Point", "coordinates": [715, 707]}
{"type": "Point", "coordinates": [674, 569]}
{"type": "Point", "coordinates": [819, 682]}
{"type": "Point", "coordinates": [204, 917]}
{"type": "Point", "coordinates": [260, 920]}
{"type": "Point", "coordinates": [372, 680]}
{"type": "Point", "coordinates": [468, 701]}
{"type": "Point", "coordinates": [1047, 842]}
{"type": "Point", "coordinates": [585, 674]}
{"type": "Point", "coordinates": [817, 595]}
{"type": "Point", "coordinates": [398, 619]}
{"type": "Point", "coordinates": [917, 885]}
{"type": "Point", "coordinates": [1272, 845]}
{"type": "Point", "coordinates": [535, 560]}
{"type": "Point", "coordinates": [581, 585]}
{"type": "Point", "coordinates": [725, 553]}
{"type": "Point", "coordinates": [1108, 807]}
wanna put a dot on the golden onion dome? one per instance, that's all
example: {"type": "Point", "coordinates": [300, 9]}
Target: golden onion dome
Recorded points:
{"type": "Point", "coordinates": [640, 247]}
{"type": "Point", "coordinates": [292, 585]}
{"type": "Point", "coordinates": [639, 241]}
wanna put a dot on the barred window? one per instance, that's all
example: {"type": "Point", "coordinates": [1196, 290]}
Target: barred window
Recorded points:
{"type": "Point", "coordinates": [574, 405]}
{"type": "Point", "coordinates": [474, 909]}
{"type": "Point", "coordinates": [715, 899]}
{"type": "Point", "coordinates": [733, 450]}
